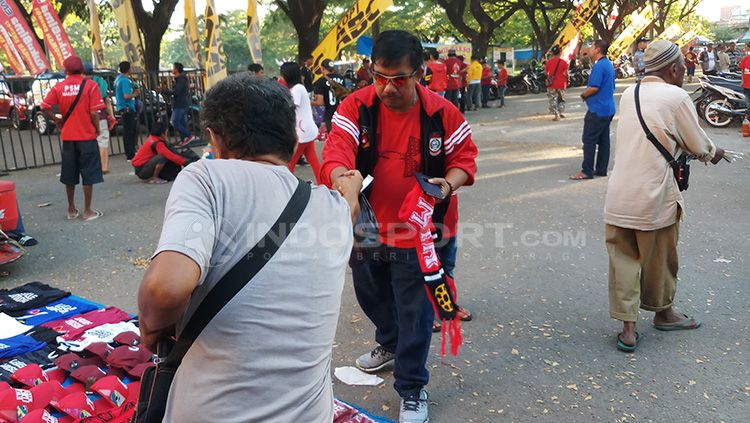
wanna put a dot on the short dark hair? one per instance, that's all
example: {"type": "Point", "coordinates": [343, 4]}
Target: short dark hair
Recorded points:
{"type": "Point", "coordinates": [461, 58]}
{"type": "Point", "coordinates": [603, 46]}
{"type": "Point", "coordinates": [365, 61]}
{"type": "Point", "coordinates": [179, 66]}
{"type": "Point", "coordinates": [394, 46]}
{"type": "Point", "coordinates": [501, 62]}
{"type": "Point", "coordinates": [254, 116]}
{"type": "Point", "coordinates": [555, 50]}
{"type": "Point", "coordinates": [158, 128]}
{"type": "Point", "coordinates": [291, 73]}
{"type": "Point", "coordinates": [435, 54]}
{"type": "Point", "coordinates": [124, 67]}
{"type": "Point", "coordinates": [255, 67]}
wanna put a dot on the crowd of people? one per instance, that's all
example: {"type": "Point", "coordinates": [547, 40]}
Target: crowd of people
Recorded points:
{"type": "Point", "coordinates": [401, 125]}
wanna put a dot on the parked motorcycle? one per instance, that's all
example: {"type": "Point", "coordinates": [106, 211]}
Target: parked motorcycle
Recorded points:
{"type": "Point", "coordinates": [518, 84]}
{"type": "Point", "coordinates": [722, 100]}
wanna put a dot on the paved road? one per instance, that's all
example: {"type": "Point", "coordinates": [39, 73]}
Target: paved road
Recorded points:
{"type": "Point", "coordinates": [532, 268]}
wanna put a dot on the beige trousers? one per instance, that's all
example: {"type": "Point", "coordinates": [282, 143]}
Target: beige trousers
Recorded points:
{"type": "Point", "coordinates": [642, 270]}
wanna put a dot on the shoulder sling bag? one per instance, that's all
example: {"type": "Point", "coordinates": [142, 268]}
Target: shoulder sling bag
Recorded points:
{"type": "Point", "coordinates": [551, 78]}
{"type": "Point", "coordinates": [74, 104]}
{"type": "Point", "coordinates": [156, 381]}
{"type": "Point", "coordinates": [680, 166]}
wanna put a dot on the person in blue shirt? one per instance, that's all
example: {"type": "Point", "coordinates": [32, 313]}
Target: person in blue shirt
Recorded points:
{"type": "Point", "coordinates": [125, 96]}
{"type": "Point", "coordinates": [600, 99]}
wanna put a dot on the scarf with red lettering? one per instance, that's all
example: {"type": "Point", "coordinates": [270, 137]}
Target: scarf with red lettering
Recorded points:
{"type": "Point", "coordinates": [417, 211]}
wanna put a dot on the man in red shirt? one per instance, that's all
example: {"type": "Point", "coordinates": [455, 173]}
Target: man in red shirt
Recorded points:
{"type": "Point", "coordinates": [79, 101]}
{"type": "Point", "coordinates": [557, 81]}
{"type": "Point", "coordinates": [463, 82]}
{"type": "Point", "coordinates": [439, 79]}
{"type": "Point", "coordinates": [745, 69]}
{"type": "Point", "coordinates": [155, 162]}
{"type": "Point", "coordinates": [453, 70]}
{"type": "Point", "coordinates": [502, 82]}
{"type": "Point", "coordinates": [363, 74]}
{"type": "Point", "coordinates": [390, 131]}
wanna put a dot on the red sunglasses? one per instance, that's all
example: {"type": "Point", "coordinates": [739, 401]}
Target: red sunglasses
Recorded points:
{"type": "Point", "coordinates": [396, 80]}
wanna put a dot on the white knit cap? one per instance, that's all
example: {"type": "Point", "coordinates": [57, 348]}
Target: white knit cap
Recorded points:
{"type": "Point", "coordinates": [659, 54]}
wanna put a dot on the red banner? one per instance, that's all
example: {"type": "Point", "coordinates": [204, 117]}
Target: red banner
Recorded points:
{"type": "Point", "coordinates": [45, 18]}
{"type": "Point", "coordinates": [22, 37]}
{"type": "Point", "coordinates": [11, 54]}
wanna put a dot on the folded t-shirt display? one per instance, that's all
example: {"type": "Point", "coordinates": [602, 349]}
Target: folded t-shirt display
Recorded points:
{"type": "Point", "coordinates": [66, 359]}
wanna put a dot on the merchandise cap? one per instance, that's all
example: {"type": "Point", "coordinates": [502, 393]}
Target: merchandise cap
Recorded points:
{"type": "Point", "coordinates": [29, 375]}
{"type": "Point", "coordinates": [128, 338]}
{"type": "Point", "coordinates": [76, 405]}
{"type": "Point", "coordinates": [87, 375]}
{"type": "Point", "coordinates": [328, 65]}
{"type": "Point", "coordinates": [127, 357]}
{"type": "Point", "coordinates": [111, 389]}
{"type": "Point", "coordinates": [71, 361]}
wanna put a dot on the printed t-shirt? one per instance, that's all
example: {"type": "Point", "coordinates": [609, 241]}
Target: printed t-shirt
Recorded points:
{"type": "Point", "coordinates": [59, 309]}
{"type": "Point", "coordinates": [330, 101]}
{"type": "Point", "coordinates": [17, 345]}
{"type": "Point", "coordinates": [79, 126]}
{"type": "Point", "coordinates": [31, 295]}
{"type": "Point", "coordinates": [103, 333]}
{"type": "Point", "coordinates": [452, 69]}
{"type": "Point", "coordinates": [73, 327]}
{"type": "Point", "coordinates": [44, 357]}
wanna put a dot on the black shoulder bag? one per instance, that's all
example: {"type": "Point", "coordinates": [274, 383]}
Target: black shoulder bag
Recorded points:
{"type": "Point", "coordinates": [156, 381]}
{"type": "Point", "coordinates": [680, 166]}
{"type": "Point", "coordinates": [74, 104]}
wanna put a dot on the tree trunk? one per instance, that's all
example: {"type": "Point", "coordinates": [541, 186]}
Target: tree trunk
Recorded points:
{"type": "Point", "coordinates": [308, 40]}
{"type": "Point", "coordinates": [480, 44]}
{"type": "Point", "coordinates": [305, 16]}
{"type": "Point", "coordinates": [153, 26]}
{"type": "Point", "coordinates": [376, 29]}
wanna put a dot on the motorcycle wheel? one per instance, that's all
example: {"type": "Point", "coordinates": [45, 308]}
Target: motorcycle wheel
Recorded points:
{"type": "Point", "coordinates": [536, 86]}
{"type": "Point", "coordinates": [714, 118]}
{"type": "Point", "coordinates": [519, 88]}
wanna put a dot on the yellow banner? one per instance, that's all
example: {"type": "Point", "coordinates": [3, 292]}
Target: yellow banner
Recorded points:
{"type": "Point", "coordinates": [354, 23]}
{"type": "Point", "coordinates": [97, 51]}
{"type": "Point", "coordinates": [581, 18]}
{"type": "Point", "coordinates": [130, 38]}
{"type": "Point", "coordinates": [639, 21]}
{"type": "Point", "coordinates": [685, 39]}
{"type": "Point", "coordinates": [253, 32]}
{"type": "Point", "coordinates": [192, 36]}
{"type": "Point", "coordinates": [216, 68]}
{"type": "Point", "coordinates": [672, 32]}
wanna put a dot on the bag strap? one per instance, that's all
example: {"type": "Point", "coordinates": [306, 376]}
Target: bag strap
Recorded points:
{"type": "Point", "coordinates": [240, 274]}
{"type": "Point", "coordinates": [557, 66]}
{"type": "Point", "coordinates": [75, 102]}
{"type": "Point", "coordinates": [651, 137]}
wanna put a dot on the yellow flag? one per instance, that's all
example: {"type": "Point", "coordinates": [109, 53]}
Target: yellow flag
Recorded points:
{"type": "Point", "coordinates": [639, 21]}
{"type": "Point", "coordinates": [253, 32]}
{"type": "Point", "coordinates": [354, 23]}
{"type": "Point", "coordinates": [192, 36]}
{"type": "Point", "coordinates": [130, 38]}
{"type": "Point", "coordinates": [581, 18]}
{"type": "Point", "coordinates": [672, 32]}
{"type": "Point", "coordinates": [216, 68]}
{"type": "Point", "coordinates": [97, 51]}
{"type": "Point", "coordinates": [686, 38]}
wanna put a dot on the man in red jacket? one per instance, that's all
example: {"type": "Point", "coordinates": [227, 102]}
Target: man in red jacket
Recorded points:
{"type": "Point", "coordinates": [453, 70]}
{"type": "Point", "coordinates": [439, 79]}
{"type": "Point", "coordinates": [557, 81]}
{"type": "Point", "coordinates": [155, 162]}
{"type": "Point", "coordinates": [392, 130]}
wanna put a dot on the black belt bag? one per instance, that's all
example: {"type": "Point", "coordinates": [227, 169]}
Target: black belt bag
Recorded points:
{"type": "Point", "coordinates": [680, 166]}
{"type": "Point", "coordinates": [156, 381]}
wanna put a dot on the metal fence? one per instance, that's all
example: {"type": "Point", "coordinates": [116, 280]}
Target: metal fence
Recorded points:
{"type": "Point", "coordinates": [28, 140]}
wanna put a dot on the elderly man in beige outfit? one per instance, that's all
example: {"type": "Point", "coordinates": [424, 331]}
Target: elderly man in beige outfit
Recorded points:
{"type": "Point", "coordinates": [644, 205]}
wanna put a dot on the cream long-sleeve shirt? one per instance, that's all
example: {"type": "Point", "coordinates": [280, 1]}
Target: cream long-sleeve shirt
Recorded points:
{"type": "Point", "coordinates": [642, 192]}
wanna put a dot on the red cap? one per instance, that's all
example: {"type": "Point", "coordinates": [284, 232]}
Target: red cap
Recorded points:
{"type": "Point", "coordinates": [4, 386]}
{"type": "Point", "coordinates": [127, 357]}
{"type": "Point", "coordinates": [100, 349]}
{"type": "Point", "coordinates": [29, 375]}
{"type": "Point", "coordinates": [43, 394]}
{"type": "Point", "coordinates": [56, 375]}
{"type": "Point", "coordinates": [76, 405]}
{"type": "Point", "coordinates": [137, 371]}
{"type": "Point", "coordinates": [72, 361]}
{"type": "Point", "coordinates": [128, 338]}
{"type": "Point", "coordinates": [88, 374]}
{"type": "Point", "coordinates": [73, 64]}
{"type": "Point", "coordinates": [40, 416]}
{"type": "Point", "coordinates": [111, 389]}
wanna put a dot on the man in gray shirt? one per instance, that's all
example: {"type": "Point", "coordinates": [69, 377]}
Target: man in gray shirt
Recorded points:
{"type": "Point", "coordinates": [266, 356]}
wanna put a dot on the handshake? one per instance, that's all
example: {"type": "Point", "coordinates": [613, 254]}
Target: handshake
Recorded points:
{"type": "Point", "coordinates": [349, 185]}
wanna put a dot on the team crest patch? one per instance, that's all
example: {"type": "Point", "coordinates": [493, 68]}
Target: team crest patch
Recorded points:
{"type": "Point", "coordinates": [436, 144]}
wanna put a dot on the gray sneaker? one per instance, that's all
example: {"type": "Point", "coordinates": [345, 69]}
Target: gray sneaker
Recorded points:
{"type": "Point", "coordinates": [414, 410]}
{"type": "Point", "coordinates": [374, 360]}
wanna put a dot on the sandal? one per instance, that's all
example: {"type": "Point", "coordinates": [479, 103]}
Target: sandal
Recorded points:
{"type": "Point", "coordinates": [437, 325]}
{"type": "Point", "coordinates": [580, 176]}
{"type": "Point", "coordinates": [27, 241]}
{"type": "Point", "coordinates": [627, 347]}
{"type": "Point", "coordinates": [685, 324]}
{"type": "Point", "coordinates": [464, 314]}
{"type": "Point", "coordinates": [74, 216]}
{"type": "Point", "coordinates": [97, 214]}
{"type": "Point", "coordinates": [157, 181]}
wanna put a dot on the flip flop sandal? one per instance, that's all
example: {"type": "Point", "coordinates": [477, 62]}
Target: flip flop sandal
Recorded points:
{"type": "Point", "coordinates": [74, 216]}
{"type": "Point", "coordinates": [626, 347]}
{"type": "Point", "coordinates": [685, 324]}
{"type": "Point", "coordinates": [436, 326]}
{"type": "Point", "coordinates": [97, 214]}
{"type": "Point", "coordinates": [467, 316]}
{"type": "Point", "coordinates": [27, 241]}
{"type": "Point", "coordinates": [580, 177]}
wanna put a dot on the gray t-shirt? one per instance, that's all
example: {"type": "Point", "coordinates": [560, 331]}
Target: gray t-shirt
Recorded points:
{"type": "Point", "coordinates": [266, 357]}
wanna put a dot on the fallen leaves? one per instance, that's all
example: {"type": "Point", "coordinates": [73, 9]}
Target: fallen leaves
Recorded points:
{"type": "Point", "coordinates": [572, 386]}
{"type": "Point", "coordinates": [140, 262]}
{"type": "Point", "coordinates": [514, 351]}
